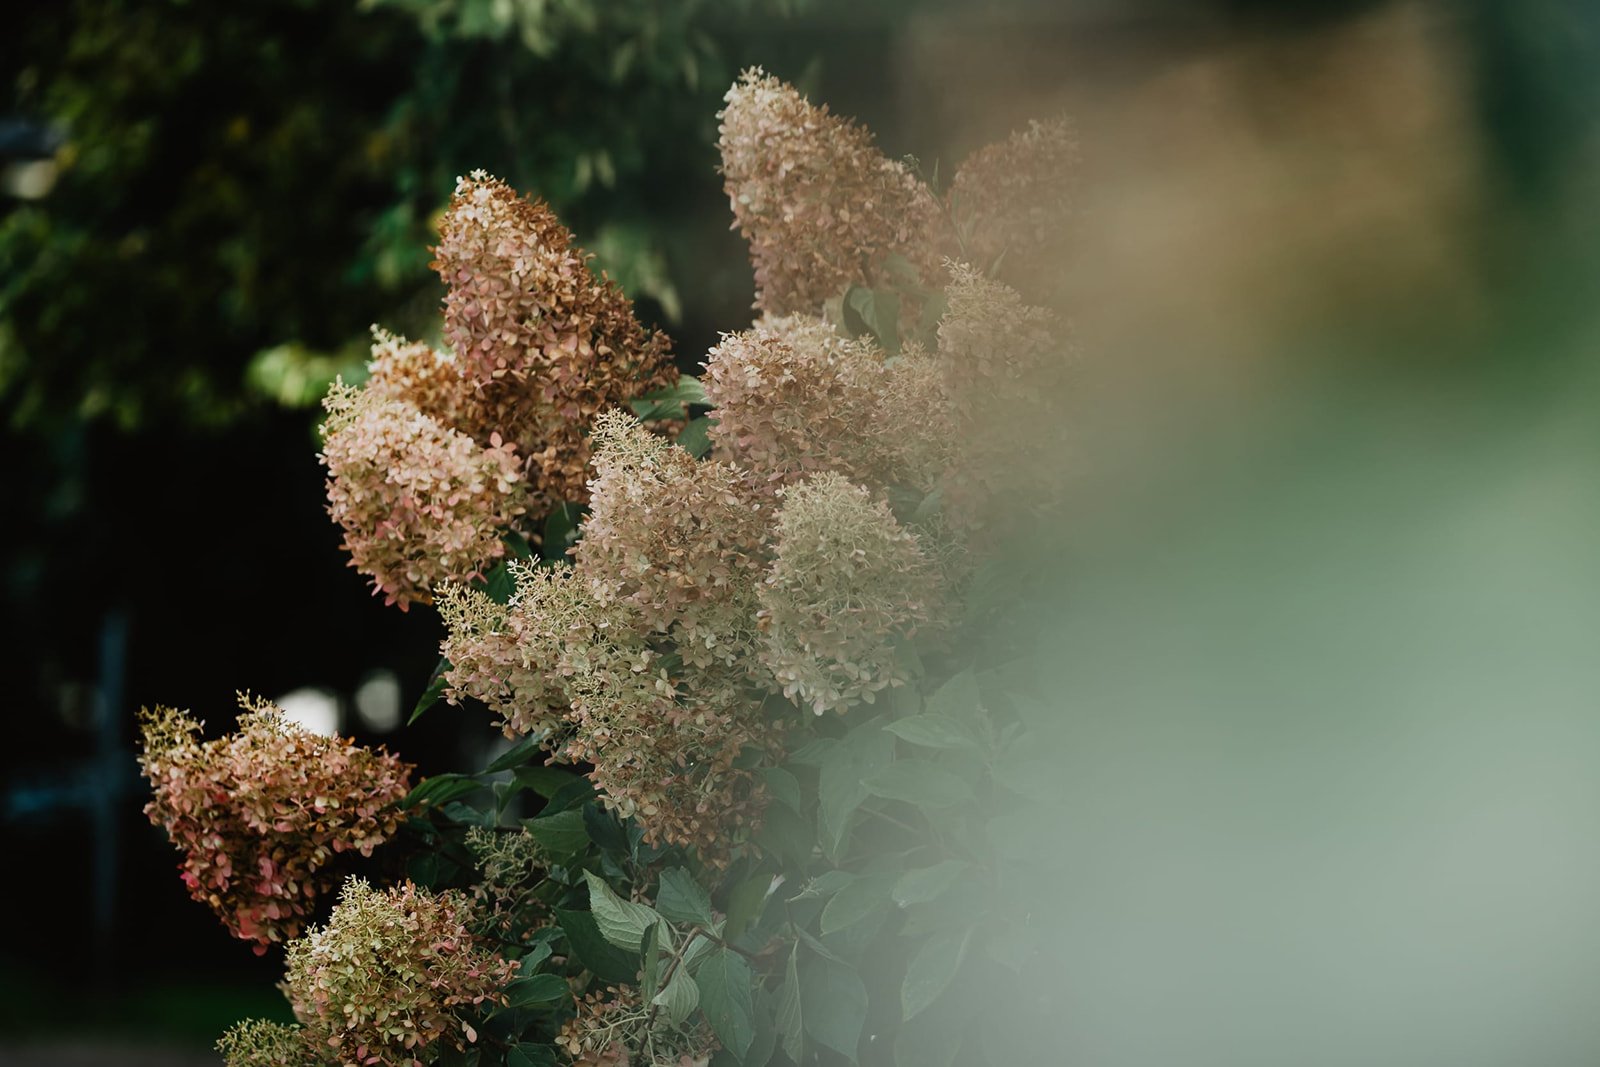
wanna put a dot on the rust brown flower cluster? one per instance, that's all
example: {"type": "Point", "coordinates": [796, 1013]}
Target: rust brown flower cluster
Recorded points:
{"type": "Point", "coordinates": [260, 813]}
{"type": "Point", "coordinates": [545, 343]}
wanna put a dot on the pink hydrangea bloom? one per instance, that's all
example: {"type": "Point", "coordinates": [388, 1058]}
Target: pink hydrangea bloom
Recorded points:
{"type": "Point", "coordinates": [260, 813]}
{"type": "Point", "coordinates": [794, 397]}
{"type": "Point", "coordinates": [419, 502]}
{"type": "Point", "coordinates": [821, 207]}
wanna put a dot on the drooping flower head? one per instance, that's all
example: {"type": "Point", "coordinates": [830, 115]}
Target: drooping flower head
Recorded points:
{"type": "Point", "coordinates": [260, 813]}
{"type": "Point", "coordinates": [1012, 200]}
{"type": "Point", "coordinates": [546, 343]}
{"type": "Point", "coordinates": [847, 581]}
{"type": "Point", "coordinates": [794, 397]}
{"type": "Point", "coordinates": [392, 975]}
{"type": "Point", "coordinates": [821, 207]}
{"type": "Point", "coordinates": [419, 502]}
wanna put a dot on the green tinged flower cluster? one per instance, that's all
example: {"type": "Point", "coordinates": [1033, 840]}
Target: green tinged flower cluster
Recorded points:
{"type": "Point", "coordinates": [386, 979]}
{"type": "Point", "coordinates": [847, 584]}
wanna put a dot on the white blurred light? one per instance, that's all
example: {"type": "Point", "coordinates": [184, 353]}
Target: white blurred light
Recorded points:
{"type": "Point", "coordinates": [29, 180]}
{"type": "Point", "coordinates": [312, 709]}
{"type": "Point", "coordinates": [378, 702]}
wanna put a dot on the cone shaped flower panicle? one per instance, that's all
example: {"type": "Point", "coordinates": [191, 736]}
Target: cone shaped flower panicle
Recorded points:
{"type": "Point", "coordinates": [847, 582]}
{"type": "Point", "coordinates": [392, 976]}
{"type": "Point", "coordinates": [419, 502]}
{"type": "Point", "coordinates": [261, 813]}
{"type": "Point", "coordinates": [547, 344]}
{"type": "Point", "coordinates": [1012, 204]}
{"type": "Point", "coordinates": [821, 207]}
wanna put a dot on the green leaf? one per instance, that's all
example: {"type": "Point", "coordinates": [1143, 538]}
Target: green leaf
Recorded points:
{"type": "Point", "coordinates": [530, 1055]}
{"type": "Point", "coordinates": [919, 782]}
{"type": "Point", "coordinates": [681, 900]}
{"type": "Point", "coordinates": [958, 698]}
{"type": "Point", "coordinates": [499, 584]}
{"type": "Point", "coordinates": [536, 989]}
{"type": "Point", "coordinates": [601, 957]}
{"type": "Point", "coordinates": [724, 981]}
{"type": "Point", "coordinates": [560, 532]}
{"type": "Point", "coordinates": [787, 836]}
{"type": "Point", "coordinates": [813, 753]}
{"type": "Point", "coordinates": [440, 789]}
{"type": "Point", "coordinates": [562, 834]}
{"type": "Point", "coordinates": [679, 998]}
{"type": "Point", "coordinates": [432, 693]}
{"type": "Point", "coordinates": [671, 401]}
{"type": "Point", "coordinates": [744, 903]}
{"type": "Point", "coordinates": [825, 884]}
{"type": "Point", "coordinates": [935, 731]}
{"type": "Point", "coordinates": [621, 922]}
{"type": "Point", "coordinates": [761, 1048]}
{"type": "Point", "coordinates": [516, 545]}
{"type": "Point", "coordinates": [543, 779]}
{"type": "Point", "coordinates": [928, 883]}
{"type": "Point", "coordinates": [833, 1005]}
{"type": "Point", "coordinates": [695, 437]}
{"type": "Point", "coordinates": [931, 970]}
{"type": "Point", "coordinates": [855, 902]}
{"type": "Point", "coordinates": [518, 754]}
{"type": "Point", "coordinates": [650, 950]}
{"type": "Point", "coordinates": [788, 1016]}
{"type": "Point", "coordinates": [783, 787]}
{"type": "Point", "coordinates": [604, 828]}
{"type": "Point", "coordinates": [861, 753]}
{"type": "Point", "coordinates": [534, 956]}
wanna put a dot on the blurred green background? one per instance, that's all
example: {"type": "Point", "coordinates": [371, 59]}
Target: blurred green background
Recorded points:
{"type": "Point", "coordinates": [204, 206]}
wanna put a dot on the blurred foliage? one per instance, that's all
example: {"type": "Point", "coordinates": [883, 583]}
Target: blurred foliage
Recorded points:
{"type": "Point", "coordinates": [259, 181]}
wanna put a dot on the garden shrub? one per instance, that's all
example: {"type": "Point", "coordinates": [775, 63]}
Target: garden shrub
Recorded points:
{"type": "Point", "coordinates": [759, 738]}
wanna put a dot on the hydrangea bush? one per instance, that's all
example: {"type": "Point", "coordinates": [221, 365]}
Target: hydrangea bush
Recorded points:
{"type": "Point", "coordinates": [761, 733]}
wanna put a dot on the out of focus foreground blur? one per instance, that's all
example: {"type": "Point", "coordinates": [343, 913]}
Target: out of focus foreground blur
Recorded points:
{"type": "Point", "coordinates": [1323, 613]}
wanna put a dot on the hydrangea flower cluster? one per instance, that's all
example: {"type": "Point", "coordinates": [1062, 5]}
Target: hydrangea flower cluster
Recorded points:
{"type": "Point", "coordinates": [1012, 202]}
{"type": "Point", "coordinates": [546, 344]}
{"type": "Point", "coordinates": [428, 379]}
{"type": "Point", "coordinates": [260, 813]}
{"type": "Point", "coordinates": [1005, 369]}
{"type": "Point", "coordinates": [679, 541]}
{"type": "Point", "coordinates": [419, 502]}
{"type": "Point", "coordinates": [793, 396]}
{"type": "Point", "coordinates": [847, 583]}
{"type": "Point", "coordinates": [259, 1043]}
{"type": "Point", "coordinates": [820, 205]}
{"type": "Point", "coordinates": [383, 982]}
{"type": "Point", "coordinates": [637, 659]}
